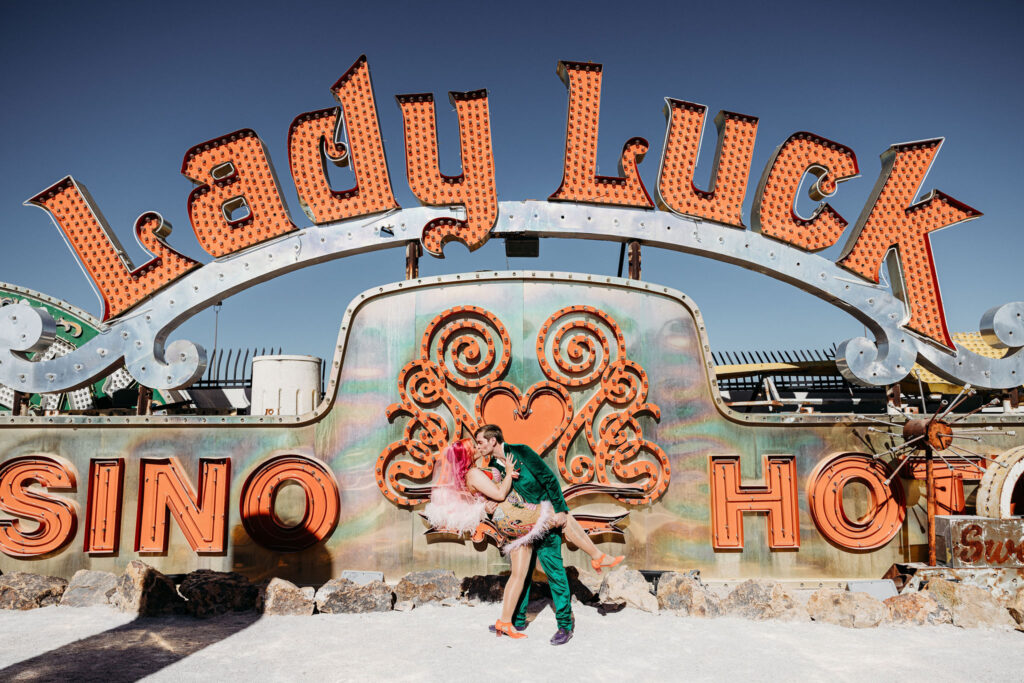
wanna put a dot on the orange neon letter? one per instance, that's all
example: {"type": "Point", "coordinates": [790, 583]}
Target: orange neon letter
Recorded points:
{"type": "Point", "coordinates": [949, 483]}
{"type": "Point", "coordinates": [103, 509]}
{"type": "Point", "coordinates": [474, 189]}
{"type": "Point", "coordinates": [580, 182]}
{"type": "Point", "coordinates": [777, 497]}
{"type": "Point", "coordinates": [57, 517]}
{"type": "Point", "coordinates": [315, 137]}
{"type": "Point", "coordinates": [238, 202]}
{"type": "Point", "coordinates": [260, 492]}
{"type": "Point", "coordinates": [164, 488]}
{"type": "Point", "coordinates": [676, 192]}
{"type": "Point", "coordinates": [885, 511]}
{"type": "Point", "coordinates": [120, 284]}
{"type": "Point", "coordinates": [891, 219]}
{"type": "Point", "coordinates": [774, 211]}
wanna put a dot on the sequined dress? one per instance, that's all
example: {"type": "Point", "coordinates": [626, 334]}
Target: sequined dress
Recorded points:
{"type": "Point", "coordinates": [520, 523]}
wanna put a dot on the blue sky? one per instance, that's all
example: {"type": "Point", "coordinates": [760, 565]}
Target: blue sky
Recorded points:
{"type": "Point", "coordinates": [115, 93]}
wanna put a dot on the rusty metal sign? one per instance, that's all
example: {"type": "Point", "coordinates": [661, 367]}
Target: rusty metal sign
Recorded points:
{"type": "Point", "coordinates": [970, 541]}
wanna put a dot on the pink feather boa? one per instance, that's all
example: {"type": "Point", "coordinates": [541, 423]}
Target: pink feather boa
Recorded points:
{"type": "Point", "coordinates": [547, 512]}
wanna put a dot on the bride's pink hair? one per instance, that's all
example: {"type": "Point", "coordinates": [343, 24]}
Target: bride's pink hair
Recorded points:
{"type": "Point", "coordinates": [452, 506]}
{"type": "Point", "coordinates": [460, 458]}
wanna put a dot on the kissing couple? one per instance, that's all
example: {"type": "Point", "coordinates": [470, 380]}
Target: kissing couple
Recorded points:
{"type": "Point", "coordinates": [521, 494]}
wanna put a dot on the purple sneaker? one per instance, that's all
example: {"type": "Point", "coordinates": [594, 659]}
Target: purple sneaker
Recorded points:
{"type": "Point", "coordinates": [561, 637]}
{"type": "Point", "coordinates": [518, 628]}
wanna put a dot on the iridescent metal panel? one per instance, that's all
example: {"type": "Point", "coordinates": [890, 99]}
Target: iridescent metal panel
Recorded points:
{"type": "Point", "coordinates": [663, 334]}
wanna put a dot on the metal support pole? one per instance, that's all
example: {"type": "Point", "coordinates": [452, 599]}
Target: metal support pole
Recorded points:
{"type": "Point", "coordinates": [634, 259]}
{"type": "Point", "coordinates": [413, 251]}
{"type": "Point", "coordinates": [930, 483]}
{"type": "Point", "coordinates": [20, 402]}
{"type": "Point", "coordinates": [145, 404]}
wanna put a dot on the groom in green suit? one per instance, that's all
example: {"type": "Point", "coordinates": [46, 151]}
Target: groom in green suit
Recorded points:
{"type": "Point", "coordinates": [536, 483]}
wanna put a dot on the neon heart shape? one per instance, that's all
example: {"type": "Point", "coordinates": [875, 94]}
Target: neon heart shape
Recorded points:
{"type": "Point", "coordinates": [537, 418]}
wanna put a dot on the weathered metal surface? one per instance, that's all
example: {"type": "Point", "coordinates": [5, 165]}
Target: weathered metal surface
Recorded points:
{"type": "Point", "coordinates": [1002, 583]}
{"type": "Point", "coordinates": [971, 541]}
{"type": "Point", "coordinates": [662, 333]}
{"type": "Point", "coordinates": [139, 338]}
{"type": "Point", "coordinates": [73, 327]}
{"type": "Point", "coordinates": [999, 494]}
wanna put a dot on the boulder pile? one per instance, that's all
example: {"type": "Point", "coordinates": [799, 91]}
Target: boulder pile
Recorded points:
{"type": "Point", "coordinates": [685, 595]}
{"type": "Point", "coordinates": [21, 590]}
{"type": "Point", "coordinates": [761, 600]}
{"type": "Point", "coordinates": [843, 608]}
{"type": "Point", "coordinates": [143, 590]}
{"type": "Point", "coordinates": [343, 595]}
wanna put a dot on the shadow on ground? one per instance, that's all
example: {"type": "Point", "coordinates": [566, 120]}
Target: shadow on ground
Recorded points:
{"type": "Point", "coordinates": [129, 652]}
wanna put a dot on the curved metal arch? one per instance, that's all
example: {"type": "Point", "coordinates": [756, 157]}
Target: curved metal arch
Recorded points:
{"type": "Point", "coordinates": [138, 339]}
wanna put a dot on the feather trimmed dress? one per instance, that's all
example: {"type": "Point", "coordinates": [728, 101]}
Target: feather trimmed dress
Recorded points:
{"type": "Point", "coordinates": [519, 523]}
{"type": "Point", "coordinates": [454, 510]}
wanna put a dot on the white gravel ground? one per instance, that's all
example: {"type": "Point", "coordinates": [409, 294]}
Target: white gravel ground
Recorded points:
{"type": "Point", "coordinates": [452, 644]}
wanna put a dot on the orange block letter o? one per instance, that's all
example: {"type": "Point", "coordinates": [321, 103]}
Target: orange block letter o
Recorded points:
{"type": "Point", "coordinates": [260, 492]}
{"type": "Point", "coordinates": [886, 511]}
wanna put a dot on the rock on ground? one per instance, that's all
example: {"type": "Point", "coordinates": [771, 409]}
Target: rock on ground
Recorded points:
{"type": "Point", "coordinates": [361, 577]}
{"type": "Point", "coordinates": [843, 608]}
{"type": "Point", "coordinates": [22, 590]}
{"type": "Point", "coordinates": [88, 588]}
{"type": "Point", "coordinates": [145, 591]}
{"type": "Point", "coordinates": [434, 585]}
{"type": "Point", "coordinates": [341, 596]}
{"type": "Point", "coordinates": [759, 599]}
{"type": "Point", "coordinates": [483, 588]}
{"type": "Point", "coordinates": [917, 608]}
{"type": "Point", "coordinates": [685, 595]}
{"type": "Point", "coordinates": [585, 586]}
{"type": "Point", "coordinates": [210, 593]}
{"type": "Point", "coordinates": [281, 597]}
{"type": "Point", "coordinates": [970, 606]}
{"type": "Point", "coordinates": [628, 586]}
{"type": "Point", "coordinates": [1016, 608]}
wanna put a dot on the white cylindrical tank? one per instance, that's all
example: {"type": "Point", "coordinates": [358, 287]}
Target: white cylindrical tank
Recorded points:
{"type": "Point", "coordinates": [285, 385]}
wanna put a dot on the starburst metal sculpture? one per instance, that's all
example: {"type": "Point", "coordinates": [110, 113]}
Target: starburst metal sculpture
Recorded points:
{"type": "Point", "coordinates": [925, 438]}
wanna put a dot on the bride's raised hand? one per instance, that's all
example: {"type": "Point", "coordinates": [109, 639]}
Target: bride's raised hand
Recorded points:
{"type": "Point", "coordinates": [511, 466]}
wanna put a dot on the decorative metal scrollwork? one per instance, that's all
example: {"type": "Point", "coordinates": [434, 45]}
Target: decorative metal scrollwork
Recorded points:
{"type": "Point", "coordinates": [582, 351]}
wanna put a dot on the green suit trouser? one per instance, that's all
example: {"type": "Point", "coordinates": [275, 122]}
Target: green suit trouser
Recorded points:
{"type": "Point", "coordinates": [549, 551]}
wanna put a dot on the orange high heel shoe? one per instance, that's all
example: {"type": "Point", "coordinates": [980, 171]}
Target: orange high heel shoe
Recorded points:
{"type": "Point", "coordinates": [600, 563]}
{"type": "Point", "coordinates": [505, 628]}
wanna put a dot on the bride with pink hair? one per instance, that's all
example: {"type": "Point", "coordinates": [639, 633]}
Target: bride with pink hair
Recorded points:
{"type": "Point", "coordinates": [458, 500]}
{"type": "Point", "coordinates": [458, 504]}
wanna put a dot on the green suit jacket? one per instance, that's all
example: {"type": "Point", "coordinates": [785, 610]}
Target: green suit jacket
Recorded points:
{"type": "Point", "coordinates": [536, 481]}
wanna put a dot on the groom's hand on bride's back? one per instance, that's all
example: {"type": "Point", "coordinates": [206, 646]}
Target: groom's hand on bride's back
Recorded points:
{"type": "Point", "coordinates": [491, 506]}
